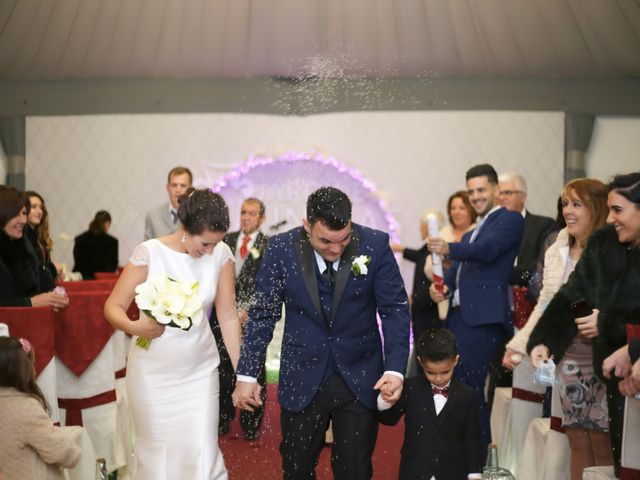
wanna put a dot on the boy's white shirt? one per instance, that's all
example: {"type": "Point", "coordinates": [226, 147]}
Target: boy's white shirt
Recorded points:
{"type": "Point", "coordinates": [439, 402]}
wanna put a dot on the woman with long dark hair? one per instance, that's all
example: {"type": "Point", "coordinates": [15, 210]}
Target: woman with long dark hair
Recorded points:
{"type": "Point", "coordinates": [607, 277]}
{"type": "Point", "coordinates": [37, 232]}
{"type": "Point", "coordinates": [19, 276]}
{"type": "Point", "coordinates": [30, 445]}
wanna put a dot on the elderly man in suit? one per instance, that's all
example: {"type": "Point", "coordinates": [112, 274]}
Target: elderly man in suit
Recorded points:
{"type": "Point", "coordinates": [163, 220]}
{"type": "Point", "coordinates": [334, 278]}
{"type": "Point", "coordinates": [513, 196]}
{"type": "Point", "coordinates": [248, 245]}
{"type": "Point", "coordinates": [478, 283]}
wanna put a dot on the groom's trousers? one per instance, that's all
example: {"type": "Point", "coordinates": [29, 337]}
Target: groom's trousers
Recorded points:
{"type": "Point", "coordinates": [355, 430]}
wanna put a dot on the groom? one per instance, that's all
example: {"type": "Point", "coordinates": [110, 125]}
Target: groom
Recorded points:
{"type": "Point", "coordinates": [332, 359]}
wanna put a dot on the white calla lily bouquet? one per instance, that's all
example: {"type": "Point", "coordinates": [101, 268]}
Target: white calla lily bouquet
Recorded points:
{"type": "Point", "coordinates": [170, 302]}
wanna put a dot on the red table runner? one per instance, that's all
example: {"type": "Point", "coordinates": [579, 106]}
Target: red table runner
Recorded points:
{"type": "Point", "coordinates": [107, 275]}
{"type": "Point", "coordinates": [81, 330]}
{"type": "Point", "coordinates": [36, 324]}
{"type": "Point", "coordinates": [89, 285]}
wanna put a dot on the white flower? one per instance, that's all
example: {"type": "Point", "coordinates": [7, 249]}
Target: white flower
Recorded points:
{"type": "Point", "coordinates": [174, 303]}
{"type": "Point", "coordinates": [255, 253]}
{"type": "Point", "coordinates": [359, 264]}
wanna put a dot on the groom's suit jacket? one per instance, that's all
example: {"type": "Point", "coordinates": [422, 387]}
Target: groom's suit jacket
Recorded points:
{"type": "Point", "coordinates": [485, 268]}
{"type": "Point", "coordinates": [350, 336]}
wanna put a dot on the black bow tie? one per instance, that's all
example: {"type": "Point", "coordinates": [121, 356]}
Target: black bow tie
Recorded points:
{"type": "Point", "coordinates": [440, 391]}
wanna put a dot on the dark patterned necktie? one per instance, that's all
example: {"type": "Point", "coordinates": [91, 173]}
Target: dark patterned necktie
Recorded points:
{"type": "Point", "coordinates": [329, 274]}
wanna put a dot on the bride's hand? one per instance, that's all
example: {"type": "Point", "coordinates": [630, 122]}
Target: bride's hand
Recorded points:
{"type": "Point", "coordinates": [148, 328]}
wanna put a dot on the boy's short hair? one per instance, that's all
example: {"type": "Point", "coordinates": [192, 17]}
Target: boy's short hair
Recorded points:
{"type": "Point", "coordinates": [436, 345]}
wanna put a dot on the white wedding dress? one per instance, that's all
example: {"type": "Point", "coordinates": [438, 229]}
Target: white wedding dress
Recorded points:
{"type": "Point", "coordinates": [173, 386]}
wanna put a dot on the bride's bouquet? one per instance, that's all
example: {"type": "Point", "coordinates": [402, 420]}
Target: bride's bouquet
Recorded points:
{"type": "Point", "coordinates": [174, 303]}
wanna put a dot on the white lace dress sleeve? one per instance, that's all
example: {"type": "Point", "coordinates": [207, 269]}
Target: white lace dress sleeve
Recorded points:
{"type": "Point", "coordinates": [226, 254]}
{"type": "Point", "coordinates": [140, 256]}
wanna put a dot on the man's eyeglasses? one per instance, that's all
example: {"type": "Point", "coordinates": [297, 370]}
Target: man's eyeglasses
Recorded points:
{"type": "Point", "coordinates": [509, 193]}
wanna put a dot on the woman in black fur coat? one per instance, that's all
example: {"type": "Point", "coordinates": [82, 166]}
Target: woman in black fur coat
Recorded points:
{"type": "Point", "coordinates": [19, 276]}
{"type": "Point", "coordinates": [608, 278]}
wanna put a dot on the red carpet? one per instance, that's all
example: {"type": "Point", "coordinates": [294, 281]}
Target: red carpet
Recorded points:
{"type": "Point", "coordinates": [260, 460]}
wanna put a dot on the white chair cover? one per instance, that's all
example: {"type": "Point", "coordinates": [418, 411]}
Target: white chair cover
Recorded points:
{"type": "Point", "coordinates": [523, 412]}
{"type": "Point", "coordinates": [630, 457]}
{"type": "Point", "coordinates": [100, 422]}
{"type": "Point", "coordinates": [500, 422]}
{"type": "Point", "coordinates": [545, 453]}
{"type": "Point", "coordinates": [598, 473]}
{"type": "Point", "coordinates": [47, 381]}
{"type": "Point", "coordinates": [86, 467]}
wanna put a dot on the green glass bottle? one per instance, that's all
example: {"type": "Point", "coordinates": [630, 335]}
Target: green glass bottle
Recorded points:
{"type": "Point", "coordinates": [492, 471]}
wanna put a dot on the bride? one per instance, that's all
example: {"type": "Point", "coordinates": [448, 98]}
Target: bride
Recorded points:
{"type": "Point", "coordinates": [173, 386]}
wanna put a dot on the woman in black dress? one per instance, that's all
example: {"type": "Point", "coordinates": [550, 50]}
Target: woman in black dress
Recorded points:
{"type": "Point", "coordinates": [95, 250]}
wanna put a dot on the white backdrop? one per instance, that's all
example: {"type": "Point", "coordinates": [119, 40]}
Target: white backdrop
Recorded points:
{"type": "Point", "coordinates": [81, 164]}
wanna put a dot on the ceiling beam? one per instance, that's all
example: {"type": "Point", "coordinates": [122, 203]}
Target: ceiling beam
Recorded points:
{"type": "Point", "coordinates": [602, 96]}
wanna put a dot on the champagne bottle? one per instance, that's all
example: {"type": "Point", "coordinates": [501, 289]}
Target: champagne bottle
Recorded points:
{"type": "Point", "coordinates": [492, 471]}
{"type": "Point", "coordinates": [101, 469]}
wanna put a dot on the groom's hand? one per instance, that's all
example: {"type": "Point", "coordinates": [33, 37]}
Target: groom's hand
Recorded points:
{"type": "Point", "coordinates": [247, 396]}
{"type": "Point", "coordinates": [390, 387]}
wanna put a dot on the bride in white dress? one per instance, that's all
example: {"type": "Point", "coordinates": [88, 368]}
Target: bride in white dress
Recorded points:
{"type": "Point", "coordinates": [173, 386]}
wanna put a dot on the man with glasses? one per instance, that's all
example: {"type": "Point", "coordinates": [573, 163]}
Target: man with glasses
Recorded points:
{"type": "Point", "coordinates": [513, 195]}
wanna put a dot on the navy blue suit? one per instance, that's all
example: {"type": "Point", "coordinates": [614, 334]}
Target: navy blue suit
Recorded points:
{"type": "Point", "coordinates": [483, 321]}
{"type": "Point", "coordinates": [338, 339]}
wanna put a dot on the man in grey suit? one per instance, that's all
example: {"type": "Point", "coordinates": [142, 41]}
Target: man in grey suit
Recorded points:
{"type": "Point", "coordinates": [163, 219]}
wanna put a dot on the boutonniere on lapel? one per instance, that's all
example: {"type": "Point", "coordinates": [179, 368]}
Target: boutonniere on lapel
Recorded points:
{"type": "Point", "coordinates": [255, 253]}
{"type": "Point", "coordinates": [359, 264]}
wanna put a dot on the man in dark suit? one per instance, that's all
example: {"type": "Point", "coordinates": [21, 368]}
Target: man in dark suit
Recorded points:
{"type": "Point", "coordinates": [334, 277]}
{"type": "Point", "coordinates": [248, 245]}
{"type": "Point", "coordinates": [478, 283]}
{"type": "Point", "coordinates": [513, 196]}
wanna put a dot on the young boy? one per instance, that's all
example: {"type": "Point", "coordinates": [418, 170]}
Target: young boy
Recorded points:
{"type": "Point", "coordinates": [442, 430]}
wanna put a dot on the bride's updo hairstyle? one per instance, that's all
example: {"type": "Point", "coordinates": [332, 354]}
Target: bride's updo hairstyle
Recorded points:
{"type": "Point", "coordinates": [202, 210]}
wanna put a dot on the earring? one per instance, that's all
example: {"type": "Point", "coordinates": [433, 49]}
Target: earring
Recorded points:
{"type": "Point", "coordinates": [184, 237]}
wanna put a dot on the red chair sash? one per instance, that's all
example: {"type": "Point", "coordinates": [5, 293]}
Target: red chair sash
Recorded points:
{"type": "Point", "coordinates": [556, 424]}
{"type": "Point", "coordinates": [36, 324]}
{"type": "Point", "coordinates": [81, 330]}
{"type": "Point", "coordinates": [74, 406]}
{"type": "Point", "coordinates": [526, 395]}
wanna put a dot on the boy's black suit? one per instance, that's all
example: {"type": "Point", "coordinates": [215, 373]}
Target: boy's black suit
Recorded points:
{"type": "Point", "coordinates": [446, 446]}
